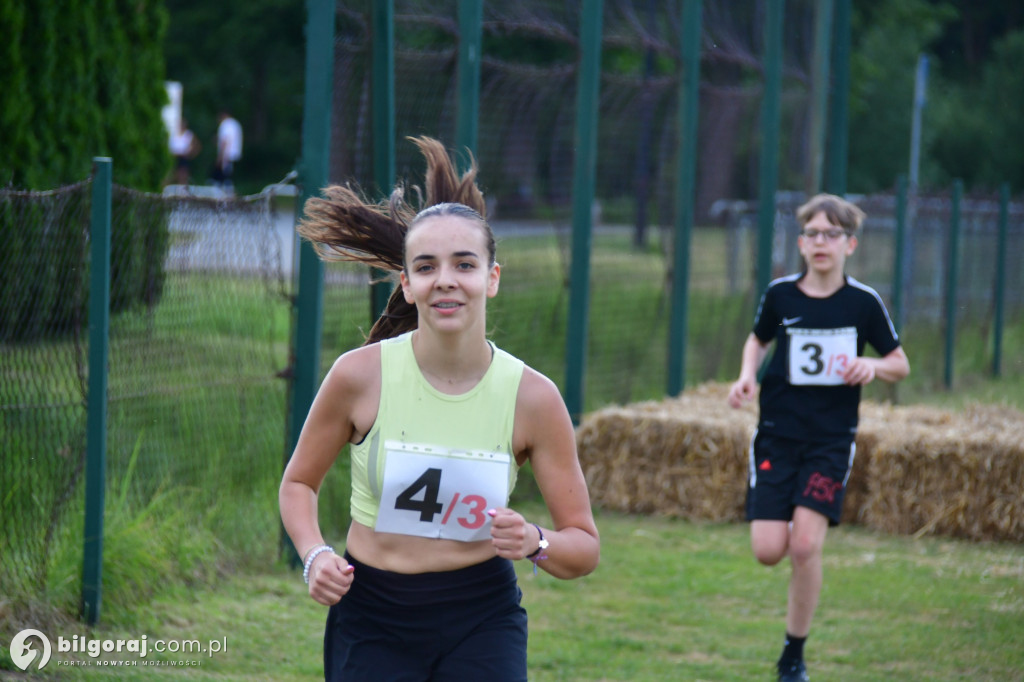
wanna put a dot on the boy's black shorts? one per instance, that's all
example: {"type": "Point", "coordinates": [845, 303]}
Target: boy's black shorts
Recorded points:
{"type": "Point", "coordinates": [785, 473]}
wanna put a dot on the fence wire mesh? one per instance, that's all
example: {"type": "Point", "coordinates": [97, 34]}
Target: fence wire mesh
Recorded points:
{"type": "Point", "coordinates": [198, 335]}
{"type": "Point", "coordinates": [525, 150]}
{"type": "Point", "coordinates": [43, 373]}
{"type": "Point", "coordinates": [202, 288]}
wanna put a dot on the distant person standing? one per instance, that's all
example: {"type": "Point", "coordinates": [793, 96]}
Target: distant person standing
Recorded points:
{"type": "Point", "coordinates": [229, 151]}
{"type": "Point", "coordinates": [184, 146]}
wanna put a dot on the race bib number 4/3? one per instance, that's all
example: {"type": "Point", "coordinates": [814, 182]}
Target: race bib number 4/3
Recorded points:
{"type": "Point", "coordinates": [820, 357]}
{"type": "Point", "coordinates": [433, 492]}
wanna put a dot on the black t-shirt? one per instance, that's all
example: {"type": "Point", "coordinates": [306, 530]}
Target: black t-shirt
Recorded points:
{"type": "Point", "coordinates": [802, 394]}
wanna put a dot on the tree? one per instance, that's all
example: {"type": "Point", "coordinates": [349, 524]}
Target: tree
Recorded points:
{"type": "Point", "coordinates": [888, 37]}
{"type": "Point", "coordinates": [977, 129]}
{"type": "Point", "coordinates": [82, 79]}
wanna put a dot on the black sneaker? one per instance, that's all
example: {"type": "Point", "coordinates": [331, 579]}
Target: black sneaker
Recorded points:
{"type": "Point", "coordinates": [793, 672]}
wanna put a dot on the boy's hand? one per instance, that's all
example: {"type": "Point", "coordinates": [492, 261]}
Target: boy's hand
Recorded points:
{"type": "Point", "coordinates": [742, 391]}
{"type": "Point", "coordinates": [860, 372]}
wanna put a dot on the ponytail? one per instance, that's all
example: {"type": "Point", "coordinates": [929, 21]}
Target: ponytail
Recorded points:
{"type": "Point", "coordinates": [343, 226]}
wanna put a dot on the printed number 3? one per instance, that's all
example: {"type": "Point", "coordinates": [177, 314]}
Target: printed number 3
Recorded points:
{"type": "Point", "coordinates": [815, 358]}
{"type": "Point", "coordinates": [835, 362]}
{"type": "Point", "coordinates": [429, 507]}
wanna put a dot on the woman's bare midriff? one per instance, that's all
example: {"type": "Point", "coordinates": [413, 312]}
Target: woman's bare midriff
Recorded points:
{"type": "Point", "coordinates": [411, 554]}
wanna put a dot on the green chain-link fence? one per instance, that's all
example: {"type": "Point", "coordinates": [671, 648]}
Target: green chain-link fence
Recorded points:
{"type": "Point", "coordinates": [202, 287]}
{"type": "Point", "coordinates": [198, 336]}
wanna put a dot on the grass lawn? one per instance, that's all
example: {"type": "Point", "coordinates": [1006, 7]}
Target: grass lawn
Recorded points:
{"type": "Point", "coordinates": [671, 600]}
{"type": "Point", "coordinates": [191, 532]}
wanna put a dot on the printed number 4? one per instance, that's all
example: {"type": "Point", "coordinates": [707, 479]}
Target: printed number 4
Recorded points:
{"type": "Point", "coordinates": [429, 507]}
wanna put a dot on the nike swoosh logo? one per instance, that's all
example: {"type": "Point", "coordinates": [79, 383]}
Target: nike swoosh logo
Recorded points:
{"type": "Point", "coordinates": [786, 321]}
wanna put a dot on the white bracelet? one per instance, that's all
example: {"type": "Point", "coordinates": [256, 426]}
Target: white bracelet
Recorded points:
{"type": "Point", "coordinates": [313, 554]}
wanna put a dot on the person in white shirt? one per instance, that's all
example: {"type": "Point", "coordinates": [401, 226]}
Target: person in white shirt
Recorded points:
{"type": "Point", "coordinates": [184, 146]}
{"type": "Point", "coordinates": [229, 151]}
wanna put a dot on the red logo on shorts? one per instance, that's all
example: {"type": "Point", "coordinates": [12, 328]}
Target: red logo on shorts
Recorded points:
{"type": "Point", "coordinates": [765, 466]}
{"type": "Point", "coordinates": [822, 488]}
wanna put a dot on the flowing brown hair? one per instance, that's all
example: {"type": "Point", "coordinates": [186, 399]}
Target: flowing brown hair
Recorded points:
{"type": "Point", "coordinates": [343, 226]}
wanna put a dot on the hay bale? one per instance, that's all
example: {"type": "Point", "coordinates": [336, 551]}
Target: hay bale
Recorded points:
{"type": "Point", "coordinates": [919, 470]}
{"type": "Point", "coordinates": [944, 473]}
{"type": "Point", "coordinates": [683, 457]}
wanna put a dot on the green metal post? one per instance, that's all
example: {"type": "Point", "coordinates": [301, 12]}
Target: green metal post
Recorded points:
{"type": "Point", "coordinates": [313, 172]}
{"type": "Point", "coordinates": [839, 109]}
{"type": "Point", "coordinates": [952, 273]}
{"type": "Point", "coordinates": [899, 251]}
{"type": "Point", "coordinates": [769, 172]}
{"type": "Point", "coordinates": [583, 184]}
{"type": "Point", "coordinates": [820, 90]}
{"type": "Point", "coordinates": [686, 174]}
{"type": "Point", "coordinates": [471, 13]}
{"type": "Point", "coordinates": [96, 418]}
{"type": "Point", "coordinates": [383, 128]}
{"type": "Point", "coordinates": [1000, 284]}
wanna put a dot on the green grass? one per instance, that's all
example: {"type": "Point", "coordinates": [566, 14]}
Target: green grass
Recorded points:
{"type": "Point", "coordinates": [196, 443]}
{"type": "Point", "coordinates": [671, 600]}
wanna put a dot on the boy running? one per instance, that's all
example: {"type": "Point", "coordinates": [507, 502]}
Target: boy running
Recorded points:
{"type": "Point", "coordinates": [802, 451]}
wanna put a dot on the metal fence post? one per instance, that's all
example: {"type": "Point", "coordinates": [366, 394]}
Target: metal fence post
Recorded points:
{"type": "Point", "coordinates": [583, 184]}
{"type": "Point", "coordinates": [316, 135]}
{"type": "Point", "coordinates": [769, 172]}
{"type": "Point", "coordinates": [838, 111]}
{"type": "Point", "coordinates": [468, 110]}
{"type": "Point", "coordinates": [1000, 283]}
{"type": "Point", "coordinates": [952, 273]}
{"type": "Point", "coordinates": [383, 128]}
{"type": "Point", "coordinates": [899, 251]}
{"type": "Point", "coordinates": [96, 420]}
{"type": "Point", "coordinates": [820, 90]}
{"type": "Point", "coordinates": [689, 100]}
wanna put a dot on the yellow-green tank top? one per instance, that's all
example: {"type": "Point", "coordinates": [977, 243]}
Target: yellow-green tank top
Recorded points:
{"type": "Point", "coordinates": [413, 411]}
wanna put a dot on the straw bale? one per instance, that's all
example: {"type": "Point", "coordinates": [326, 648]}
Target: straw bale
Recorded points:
{"type": "Point", "coordinates": [679, 457]}
{"type": "Point", "coordinates": [918, 470]}
{"type": "Point", "coordinates": [945, 473]}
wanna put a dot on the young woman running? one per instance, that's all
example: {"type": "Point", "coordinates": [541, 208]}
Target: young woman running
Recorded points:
{"type": "Point", "coordinates": [439, 420]}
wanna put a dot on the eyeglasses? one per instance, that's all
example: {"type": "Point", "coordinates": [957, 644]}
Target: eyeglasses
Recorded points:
{"type": "Point", "coordinates": [830, 235]}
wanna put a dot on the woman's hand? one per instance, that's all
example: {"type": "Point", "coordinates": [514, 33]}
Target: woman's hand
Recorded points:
{"type": "Point", "coordinates": [330, 578]}
{"type": "Point", "coordinates": [512, 537]}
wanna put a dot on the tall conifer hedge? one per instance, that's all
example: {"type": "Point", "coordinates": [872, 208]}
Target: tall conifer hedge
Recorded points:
{"type": "Point", "coordinates": [80, 79]}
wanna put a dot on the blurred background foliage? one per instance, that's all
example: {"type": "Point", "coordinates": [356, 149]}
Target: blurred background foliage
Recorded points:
{"type": "Point", "coordinates": [85, 79]}
{"type": "Point", "coordinates": [248, 55]}
{"type": "Point", "coordinates": [80, 80]}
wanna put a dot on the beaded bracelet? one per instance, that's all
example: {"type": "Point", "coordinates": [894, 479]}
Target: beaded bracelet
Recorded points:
{"type": "Point", "coordinates": [313, 554]}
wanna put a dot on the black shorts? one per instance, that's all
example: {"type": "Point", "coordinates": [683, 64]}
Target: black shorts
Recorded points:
{"type": "Point", "coordinates": [785, 473]}
{"type": "Point", "coordinates": [456, 625]}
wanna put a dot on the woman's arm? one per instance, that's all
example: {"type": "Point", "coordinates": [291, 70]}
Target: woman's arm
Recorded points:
{"type": "Point", "coordinates": [336, 415]}
{"type": "Point", "coordinates": [545, 434]}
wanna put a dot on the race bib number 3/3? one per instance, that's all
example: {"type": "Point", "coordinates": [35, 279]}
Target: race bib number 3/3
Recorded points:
{"type": "Point", "coordinates": [433, 492]}
{"type": "Point", "coordinates": [820, 357]}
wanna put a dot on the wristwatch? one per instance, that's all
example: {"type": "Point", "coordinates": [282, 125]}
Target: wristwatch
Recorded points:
{"type": "Point", "coordinates": [541, 546]}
